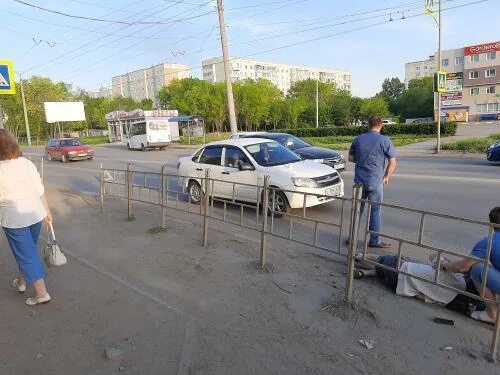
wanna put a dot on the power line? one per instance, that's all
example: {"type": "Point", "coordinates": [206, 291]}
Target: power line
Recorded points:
{"type": "Point", "coordinates": [326, 37]}
{"type": "Point", "coordinates": [93, 18]}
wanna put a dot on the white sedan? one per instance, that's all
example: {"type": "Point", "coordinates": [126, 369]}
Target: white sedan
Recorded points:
{"type": "Point", "coordinates": [238, 167]}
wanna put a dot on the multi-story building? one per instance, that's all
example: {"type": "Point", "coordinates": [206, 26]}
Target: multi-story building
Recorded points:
{"type": "Point", "coordinates": [420, 69]}
{"type": "Point", "coordinates": [146, 83]}
{"type": "Point", "coordinates": [101, 93]}
{"type": "Point", "coordinates": [473, 81]}
{"type": "Point", "coordinates": [282, 76]}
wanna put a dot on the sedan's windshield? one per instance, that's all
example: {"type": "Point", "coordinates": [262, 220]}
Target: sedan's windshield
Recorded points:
{"type": "Point", "coordinates": [71, 142]}
{"type": "Point", "coordinates": [292, 143]}
{"type": "Point", "coordinates": [269, 154]}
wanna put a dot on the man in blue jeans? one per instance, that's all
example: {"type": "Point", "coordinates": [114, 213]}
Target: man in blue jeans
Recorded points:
{"type": "Point", "coordinates": [370, 151]}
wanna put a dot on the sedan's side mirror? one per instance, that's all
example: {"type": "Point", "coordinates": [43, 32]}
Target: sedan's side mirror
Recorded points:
{"type": "Point", "coordinates": [246, 167]}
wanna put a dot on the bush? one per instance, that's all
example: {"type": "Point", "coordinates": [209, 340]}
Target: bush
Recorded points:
{"type": "Point", "coordinates": [471, 144]}
{"type": "Point", "coordinates": [428, 128]}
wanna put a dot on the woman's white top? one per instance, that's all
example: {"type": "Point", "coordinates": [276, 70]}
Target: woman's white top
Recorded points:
{"type": "Point", "coordinates": [21, 189]}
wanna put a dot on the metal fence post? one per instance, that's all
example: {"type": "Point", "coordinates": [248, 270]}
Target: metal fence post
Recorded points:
{"type": "Point", "coordinates": [163, 192]}
{"type": "Point", "coordinates": [496, 333]}
{"type": "Point", "coordinates": [130, 215]}
{"type": "Point", "coordinates": [101, 188]}
{"type": "Point", "coordinates": [206, 204]}
{"type": "Point", "coordinates": [263, 237]}
{"type": "Point", "coordinates": [42, 168]}
{"type": "Point", "coordinates": [353, 240]}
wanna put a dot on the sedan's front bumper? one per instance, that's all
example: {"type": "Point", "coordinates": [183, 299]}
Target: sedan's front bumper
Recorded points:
{"type": "Point", "coordinates": [80, 156]}
{"type": "Point", "coordinates": [314, 196]}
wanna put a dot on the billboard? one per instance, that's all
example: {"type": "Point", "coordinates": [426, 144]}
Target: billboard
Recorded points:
{"type": "Point", "coordinates": [454, 82]}
{"type": "Point", "coordinates": [456, 114]}
{"type": "Point", "coordinates": [482, 48]}
{"type": "Point", "coordinates": [451, 99]}
{"type": "Point", "coordinates": [64, 111]}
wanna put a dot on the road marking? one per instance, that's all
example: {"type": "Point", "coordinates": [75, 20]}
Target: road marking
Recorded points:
{"type": "Point", "coordinates": [441, 178]}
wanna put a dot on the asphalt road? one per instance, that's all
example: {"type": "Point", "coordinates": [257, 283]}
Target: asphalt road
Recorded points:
{"type": "Point", "coordinates": [455, 186]}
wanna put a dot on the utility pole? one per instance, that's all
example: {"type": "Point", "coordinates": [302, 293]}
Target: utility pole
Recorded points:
{"type": "Point", "coordinates": [1, 116]}
{"type": "Point", "coordinates": [317, 104]}
{"type": "Point", "coordinates": [227, 69]}
{"type": "Point", "coordinates": [438, 145]}
{"type": "Point", "coordinates": [26, 122]}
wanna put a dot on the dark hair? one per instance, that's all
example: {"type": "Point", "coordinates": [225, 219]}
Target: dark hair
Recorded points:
{"type": "Point", "coordinates": [495, 215]}
{"type": "Point", "coordinates": [9, 148]}
{"type": "Point", "coordinates": [374, 121]}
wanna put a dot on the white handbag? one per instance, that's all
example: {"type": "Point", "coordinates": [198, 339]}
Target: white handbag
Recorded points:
{"type": "Point", "coordinates": [53, 256]}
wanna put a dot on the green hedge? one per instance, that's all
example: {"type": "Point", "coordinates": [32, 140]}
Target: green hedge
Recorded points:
{"type": "Point", "coordinates": [428, 128]}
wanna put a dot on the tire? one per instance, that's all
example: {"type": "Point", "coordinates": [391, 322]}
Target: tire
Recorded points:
{"type": "Point", "coordinates": [64, 158]}
{"type": "Point", "coordinates": [281, 206]}
{"type": "Point", "coordinates": [194, 191]}
{"type": "Point", "coordinates": [49, 156]}
{"type": "Point", "coordinates": [128, 146]}
{"type": "Point", "coordinates": [143, 148]}
{"type": "Point", "coordinates": [162, 148]}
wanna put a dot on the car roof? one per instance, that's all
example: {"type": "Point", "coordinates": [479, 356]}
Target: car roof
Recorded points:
{"type": "Point", "coordinates": [267, 135]}
{"type": "Point", "coordinates": [238, 142]}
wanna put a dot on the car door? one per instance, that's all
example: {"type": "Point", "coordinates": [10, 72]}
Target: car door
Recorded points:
{"type": "Point", "coordinates": [211, 159]}
{"type": "Point", "coordinates": [231, 173]}
{"type": "Point", "coordinates": [57, 150]}
{"type": "Point", "coordinates": [50, 148]}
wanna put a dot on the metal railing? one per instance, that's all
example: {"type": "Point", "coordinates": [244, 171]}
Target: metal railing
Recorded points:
{"type": "Point", "coordinates": [419, 244]}
{"type": "Point", "coordinates": [168, 191]}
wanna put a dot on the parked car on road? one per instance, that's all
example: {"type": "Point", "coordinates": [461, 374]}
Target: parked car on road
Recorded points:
{"type": "Point", "coordinates": [66, 149]}
{"type": "Point", "coordinates": [388, 122]}
{"type": "Point", "coordinates": [306, 151]}
{"type": "Point", "coordinates": [246, 161]}
{"type": "Point", "coordinates": [493, 152]}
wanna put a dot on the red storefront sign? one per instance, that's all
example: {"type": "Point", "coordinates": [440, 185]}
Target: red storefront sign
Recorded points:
{"type": "Point", "coordinates": [482, 48]}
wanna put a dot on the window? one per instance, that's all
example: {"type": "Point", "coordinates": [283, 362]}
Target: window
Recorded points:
{"type": "Point", "coordinates": [417, 68]}
{"type": "Point", "coordinates": [474, 58]}
{"type": "Point", "coordinates": [445, 62]}
{"type": "Point", "coordinates": [492, 107]}
{"type": "Point", "coordinates": [138, 129]}
{"type": "Point", "coordinates": [269, 154]}
{"type": "Point", "coordinates": [490, 72]}
{"type": "Point", "coordinates": [459, 60]}
{"type": "Point", "coordinates": [474, 91]}
{"type": "Point", "coordinates": [491, 55]}
{"type": "Point", "coordinates": [71, 143]}
{"type": "Point", "coordinates": [212, 155]}
{"type": "Point", "coordinates": [235, 157]}
{"type": "Point", "coordinates": [197, 156]}
{"type": "Point", "coordinates": [490, 90]}
{"type": "Point", "coordinates": [481, 107]}
{"type": "Point", "coordinates": [474, 74]}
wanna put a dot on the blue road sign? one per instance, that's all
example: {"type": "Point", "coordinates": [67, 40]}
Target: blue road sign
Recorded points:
{"type": "Point", "coordinates": [7, 81]}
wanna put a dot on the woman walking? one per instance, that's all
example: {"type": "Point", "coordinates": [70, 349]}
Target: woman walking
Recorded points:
{"type": "Point", "coordinates": [23, 208]}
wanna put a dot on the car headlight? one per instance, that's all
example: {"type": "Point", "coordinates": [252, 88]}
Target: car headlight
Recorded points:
{"type": "Point", "coordinates": [304, 182]}
{"type": "Point", "coordinates": [319, 160]}
{"type": "Point", "coordinates": [72, 152]}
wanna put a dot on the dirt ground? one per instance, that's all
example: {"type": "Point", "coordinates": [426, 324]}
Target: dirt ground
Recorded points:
{"type": "Point", "coordinates": [170, 306]}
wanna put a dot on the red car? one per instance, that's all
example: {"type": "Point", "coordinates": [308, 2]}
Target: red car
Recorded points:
{"type": "Point", "coordinates": [66, 149]}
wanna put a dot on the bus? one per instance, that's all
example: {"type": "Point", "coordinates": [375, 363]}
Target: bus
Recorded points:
{"type": "Point", "coordinates": [148, 134]}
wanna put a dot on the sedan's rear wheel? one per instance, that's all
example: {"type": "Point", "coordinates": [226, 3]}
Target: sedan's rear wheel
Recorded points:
{"type": "Point", "coordinates": [143, 148]}
{"type": "Point", "coordinates": [194, 191]}
{"type": "Point", "coordinates": [49, 156]}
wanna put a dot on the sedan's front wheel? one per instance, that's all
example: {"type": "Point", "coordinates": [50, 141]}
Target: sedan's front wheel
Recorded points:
{"type": "Point", "coordinates": [49, 156]}
{"type": "Point", "coordinates": [278, 203]}
{"type": "Point", "coordinates": [194, 191]}
{"type": "Point", "coordinates": [64, 158]}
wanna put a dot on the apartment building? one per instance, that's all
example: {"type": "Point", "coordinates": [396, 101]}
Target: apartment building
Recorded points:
{"type": "Point", "coordinates": [101, 93]}
{"type": "Point", "coordinates": [473, 81]}
{"type": "Point", "coordinates": [146, 83]}
{"type": "Point", "coordinates": [282, 76]}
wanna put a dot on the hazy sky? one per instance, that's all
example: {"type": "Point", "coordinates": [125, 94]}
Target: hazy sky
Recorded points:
{"type": "Point", "coordinates": [353, 35]}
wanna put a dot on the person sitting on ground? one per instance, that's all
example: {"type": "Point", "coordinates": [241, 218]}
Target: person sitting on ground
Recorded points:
{"type": "Point", "coordinates": [475, 268]}
{"type": "Point", "coordinates": [408, 286]}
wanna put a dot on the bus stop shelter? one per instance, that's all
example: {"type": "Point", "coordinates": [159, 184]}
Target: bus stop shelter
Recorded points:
{"type": "Point", "coordinates": [191, 127]}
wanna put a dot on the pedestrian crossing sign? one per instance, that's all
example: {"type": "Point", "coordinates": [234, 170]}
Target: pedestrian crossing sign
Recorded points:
{"type": "Point", "coordinates": [7, 81]}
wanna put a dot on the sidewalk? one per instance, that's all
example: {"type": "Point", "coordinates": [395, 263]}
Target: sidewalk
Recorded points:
{"type": "Point", "coordinates": [173, 307]}
{"type": "Point", "coordinates": [480, 130]}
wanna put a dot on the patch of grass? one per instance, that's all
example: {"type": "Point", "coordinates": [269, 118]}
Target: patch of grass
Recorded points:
{"type": "Point", "coordinates": [471, 145]}
{"type": "Point", "coordinates": [211, 137]}
{"type": "Point", "coordinates": [94, 140]}
{"type": "Point", "coordinates": [344, 142]}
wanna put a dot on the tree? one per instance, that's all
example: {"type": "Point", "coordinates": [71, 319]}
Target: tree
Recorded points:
{"type": "Point", "coordinates": [306, 90]}
{"type": "Point", "coordinates": [418, 100]}
{"type": "Point", "coordinates": [376, 106]}
{"type": "Point", "coordinates": [392, 89]}
{"type": "Point", "coordinates": [340, 108]}
{"type": "Point", "coordinates": [356, 111]}
{"type": "Point", "coordinates": [146, 104]}
{"type": "Point", "coordinates": [291, 110]}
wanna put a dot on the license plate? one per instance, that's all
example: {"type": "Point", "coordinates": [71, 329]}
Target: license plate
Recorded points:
{"type": "Point", "coordinates": [334, 191]}
{"type": "Point", "coordinates": [339, 166]}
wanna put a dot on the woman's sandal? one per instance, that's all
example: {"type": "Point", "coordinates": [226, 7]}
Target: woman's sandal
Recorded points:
{"type": "Point", "coordinates": [358, 274]}
{"type": "Point", "coordinates": [21, 288]}
{"type": "Point", "coordinates": [482, 316]}
{"type": "Point", "coordinates": [32, 301]}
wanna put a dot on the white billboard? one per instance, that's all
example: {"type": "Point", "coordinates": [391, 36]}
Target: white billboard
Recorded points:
{"type": "Point", "coordinates": [64, 111]}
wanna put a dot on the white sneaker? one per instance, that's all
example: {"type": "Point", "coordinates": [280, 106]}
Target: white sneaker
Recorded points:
{"type": "Point", "coordinates": [21, 288]}
{"type": "Point", "coordinates": [32, 301]}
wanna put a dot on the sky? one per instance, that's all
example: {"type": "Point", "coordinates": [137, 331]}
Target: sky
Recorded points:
{"type": "Point", "coordinates": [125, 35]}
